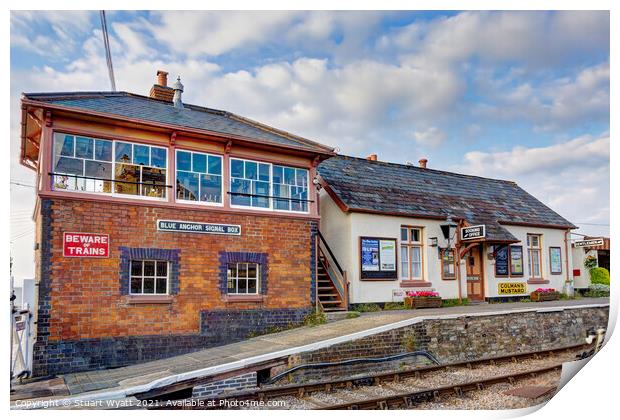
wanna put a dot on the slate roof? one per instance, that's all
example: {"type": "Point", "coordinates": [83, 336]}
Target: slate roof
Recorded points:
{"type": "Point", "coordinates": [128, 105]}
{"type": "Point", "coordinates": [389, 188]}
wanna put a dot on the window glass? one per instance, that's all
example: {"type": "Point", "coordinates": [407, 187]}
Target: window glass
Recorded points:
{"type": "Point", "coordinates": [263, 172]}
{"type": "Point", "coordinates": [64, 145]}
{"type": "Point", "coordinates": [241, 187]}
{"type": "Point", "coordinates": [84, 147]}
{"type": "Point", "coordinates": [516, 260]}
{"type": "Point", "coordinates": [154, 181]}
{"type": "Point", "coordinates": [199, 163]}
{"type": "Point", "coordinates": [103, 150]}
{"type": "Point", "coordinates": [404, 262]}
{"type": "Point", "coordinates": [148, 277]}
{"type": "Point", "coordinates": [187, 186]}
{"type": "Point", "coordinates": [448, 265]}
{"type": "Point", "coordinates": [416, 263]}
{"type": "Point", "coordinates": [236, 168]}
{"type": "Point", "coordinates": [71, 166]}
{"type": "Point", "coordinates": [290, 188]}
{"type": "Point", "coordinates": [127, 178]}
{"type": "Point", "coordinates": [123, 152]}
{"type": "Point", "coordinates": [184, 161]}
{"type": "Point", "coordinates": [141, 155]}
{"type": "Point", "coordinates": [158, 157]}
{"type": "Point", "coordinates": [243, 278]}
{"type": "Point", "coordinates": [199, 183]}
{"type": "Point", "coordinates": [404, 234]}
{"type": "Point", "coordinates": [251, 170]}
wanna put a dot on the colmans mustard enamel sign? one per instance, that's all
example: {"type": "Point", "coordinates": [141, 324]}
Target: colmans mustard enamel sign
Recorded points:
{"type": "Point", "coordinates": [511, 288]}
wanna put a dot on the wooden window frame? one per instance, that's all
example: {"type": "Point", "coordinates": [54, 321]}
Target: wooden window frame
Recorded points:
{"type": "Point", "coordinates": [531, 248]}
{"type": "Point", "coordinates": [409, 244]}
{"type": "Point", "coordinates": [155, 277]}
{"type": "Point", "coordinates": [236, 280]}
{"type": "Point", "coordinates": [443, 274]}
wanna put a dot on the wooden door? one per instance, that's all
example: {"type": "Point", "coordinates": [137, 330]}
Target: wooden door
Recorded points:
{"type": "Point", "coordinates": [473, 263]}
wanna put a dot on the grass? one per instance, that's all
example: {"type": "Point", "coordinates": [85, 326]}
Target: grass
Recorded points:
{"type": "Point", "coordinates": [367, 307]}
{"type": "Point", "coordinates": [352, 314]}
{"type": "Point", "coordinates": [394, 306]}
{"type": "Point", "coordinates": [314, 318]}
{"type": "Point", "coordinates": [447, 303]}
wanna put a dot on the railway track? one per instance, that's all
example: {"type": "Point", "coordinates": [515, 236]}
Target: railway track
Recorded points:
{"type": "Point", "coordinates": [398, 389]}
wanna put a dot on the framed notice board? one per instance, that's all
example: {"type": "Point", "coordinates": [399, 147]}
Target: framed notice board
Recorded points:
{"type": "Point", "coordinates": [378, 258]}
{"type": "Point", "coordinates": [501, 260]}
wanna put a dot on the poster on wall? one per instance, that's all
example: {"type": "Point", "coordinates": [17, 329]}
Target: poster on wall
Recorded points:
{"type": "Point", "coordinates": [387, 255]}
{"type": "Point", "coordinates": [370, 254]}
{"type": "Point", "coordinates": [501, 261]}
{"type": "Point", "coordinates": [516, 260]}
{"type": "Point", "coordinates": [511, 289]}
{"type": "Point", "coordinates": [555, 259]}
{"type": "Point", "coordinates": [378, 258]}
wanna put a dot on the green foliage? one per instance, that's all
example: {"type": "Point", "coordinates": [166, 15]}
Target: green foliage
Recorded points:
{"type": "Point", "coordinates": [590, 262]}
{"type": "Point", "coordinates": [597, 290]}
{"type": "Point", "coordinates": [447, 303]}
{"type": "Point", "coordinates": [599, 275]}
{"type": "Point", "coordinates": [352, 314]}
{"type": "Point", "coordinates": [394, 306]}
{"type": "Point", "coordinates": [314, 318]}
{"type": "Point", "coordinates": [409, 341]}
{"type": "Point", "coordinates": [367, 307]}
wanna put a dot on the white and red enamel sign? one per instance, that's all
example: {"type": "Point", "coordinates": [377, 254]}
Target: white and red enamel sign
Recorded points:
{"type": "Point", "coordinates": [81, 245]}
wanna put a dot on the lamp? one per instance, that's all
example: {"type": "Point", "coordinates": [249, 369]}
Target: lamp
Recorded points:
{"type": "Point", "coordinates": [448, 228]}
{"type": "Point", "coordinates": [433, 241]}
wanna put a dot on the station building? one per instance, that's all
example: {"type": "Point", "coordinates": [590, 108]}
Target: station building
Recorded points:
{"type": "Point", "coordinates": [163, 227]}
{"type": "Point", "coordinates": [398, 228]}
{"type": "Point", "coordinates": [589, 246]}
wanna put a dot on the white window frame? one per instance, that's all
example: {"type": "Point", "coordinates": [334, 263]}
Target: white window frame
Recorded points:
{"type": "Point", "coordinates": [236, 279]}
{"type": "Point", "coordinates": [530, 250]}
{"type": "Point", "coordinates": [410, 244]}
{"type": "Point", "coordinates": [113, 163]}
{"type": "Point", "coordinates": [222, 183]}
{"type": "Point", "coordinates": [154, 277]}
{"type": "Point", "coordinates": [271, 199]}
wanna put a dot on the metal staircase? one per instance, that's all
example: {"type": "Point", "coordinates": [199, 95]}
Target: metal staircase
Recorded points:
{"type": "Point", "coordinates": [332, 284]}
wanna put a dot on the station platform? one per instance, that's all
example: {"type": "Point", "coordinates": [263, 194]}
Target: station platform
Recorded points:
{"type": "Point", "coordinates": [141, 378]}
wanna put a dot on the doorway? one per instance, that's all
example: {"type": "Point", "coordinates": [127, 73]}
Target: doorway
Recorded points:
{"type": "Point", "coordinates": [475, 275]}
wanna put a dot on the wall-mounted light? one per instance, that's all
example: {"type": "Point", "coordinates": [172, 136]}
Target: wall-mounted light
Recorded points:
{"type": "Point", "coordinates": [448, 228]}
{"type": "Point", "coordinates": [433, 241]}
{"type": "Point", "coordinates": [316, 183]}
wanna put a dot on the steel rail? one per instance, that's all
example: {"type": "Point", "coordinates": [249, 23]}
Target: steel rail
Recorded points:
{"type": "Point", "coordinates": [410, 399]}
{"type": "Point", "coordinates": [300, 390]}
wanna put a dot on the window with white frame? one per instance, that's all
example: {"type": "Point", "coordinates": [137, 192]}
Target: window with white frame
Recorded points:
{"type": "Point", "coordinates": [267, 186]}
{"type": "Point", "coordinates": [534, 255]}
{"type": "Point", "coordinates": [104, 166]}
{"type": "Point", "coordinates": [198, 177]}
{"type": "Point", "coordinates": [148, 277]}
{"type": "Point", "coordinates": [291, 184]}
{"type": "Point", "coordinates": [243, 278]}
{"type": "Point", "coordinates": [411, 256]}
{"type": "Point", "coordinates": [250, 183]}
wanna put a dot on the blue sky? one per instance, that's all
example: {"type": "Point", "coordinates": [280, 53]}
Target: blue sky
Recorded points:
{"type": "Point", "coordinates": [513, 95]}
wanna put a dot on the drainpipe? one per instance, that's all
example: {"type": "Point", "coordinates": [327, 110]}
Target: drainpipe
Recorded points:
{"type": "Point", "coordinates": [572, 289]}
{"type": "Point", "coordinates": [457, 257]}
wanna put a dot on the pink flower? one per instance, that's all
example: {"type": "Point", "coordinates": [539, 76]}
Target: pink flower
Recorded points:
{"type": "Point", "coordinates": [541, 290]}
{"type": "Point", "coordinates": [423, 293]}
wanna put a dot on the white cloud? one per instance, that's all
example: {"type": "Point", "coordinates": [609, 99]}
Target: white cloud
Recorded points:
{"type": "Point", "coordinates": [571, 177]}
{"type": "Point", "coordinates": [431, 137]}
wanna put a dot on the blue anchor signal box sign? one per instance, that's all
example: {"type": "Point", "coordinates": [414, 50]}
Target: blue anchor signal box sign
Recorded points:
{"type": "Point", "coordinates": [196, 227]}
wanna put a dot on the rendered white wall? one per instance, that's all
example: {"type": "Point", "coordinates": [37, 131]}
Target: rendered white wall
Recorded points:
{"type": "Point", "coordinates": [579, 256]}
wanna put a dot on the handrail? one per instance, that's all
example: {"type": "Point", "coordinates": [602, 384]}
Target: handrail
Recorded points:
{"type": "Point", "coordinates": [331, 254]}
{"type": "Point", "coordinates": [338, 277]}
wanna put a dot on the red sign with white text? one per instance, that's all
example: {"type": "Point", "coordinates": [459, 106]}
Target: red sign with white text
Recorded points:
{"type": "Point", "coordinates": [86, 245]}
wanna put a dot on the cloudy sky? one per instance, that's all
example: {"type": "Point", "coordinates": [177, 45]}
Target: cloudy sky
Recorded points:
{"type": "Point", "coordinates": [513, 95]}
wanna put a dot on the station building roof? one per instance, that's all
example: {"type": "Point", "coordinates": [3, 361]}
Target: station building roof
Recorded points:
{"type": "Point", "coordinates": [370, 186]}
{"type": "Point", "coordinates": [127, 105]}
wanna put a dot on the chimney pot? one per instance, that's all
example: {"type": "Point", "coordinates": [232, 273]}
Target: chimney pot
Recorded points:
{"type": "Point", "coordinates": [178, 90]}
{"type": "Point", "coordinates": [162, 78]}
{"type": "Point", "coordinates": [423, 162]}
{"type": "Point", "coordinates": [372, 157]}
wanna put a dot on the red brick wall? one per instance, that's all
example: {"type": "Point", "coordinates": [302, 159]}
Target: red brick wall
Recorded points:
{"type": "Point", "coordinates": [85, 292]}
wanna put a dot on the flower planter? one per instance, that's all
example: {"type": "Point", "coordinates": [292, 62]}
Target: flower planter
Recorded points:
{"type": "Point", "coordinates": [544, 296]}
{"type": "Point", "coordinates": [422, 302]}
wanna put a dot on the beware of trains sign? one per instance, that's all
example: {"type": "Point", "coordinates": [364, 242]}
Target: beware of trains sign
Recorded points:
{"type": "Point", "coordinates": [86, 245]}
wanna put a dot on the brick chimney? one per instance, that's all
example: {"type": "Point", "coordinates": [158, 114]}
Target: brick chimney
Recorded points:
{"type": "Point", "coordinates": [161, 90]}
{"type": "Point", "coordinates": [371, 157]}
{"type": "Point", "coordinates": [423, 162]}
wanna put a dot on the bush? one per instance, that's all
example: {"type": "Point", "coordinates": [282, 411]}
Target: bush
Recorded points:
{"type": "Point", "coordinates": [597, 290]}
{"type": "Point", "coordinates": [315, 318]}
{"type": "Point", "coordinates": [367, 307]}
{"type": "Point", "coordinates": [599, 275]}
{"type": "Point", "coordinates": [447, 303]}
{"type": "Point", "coordinates": [394, 306]}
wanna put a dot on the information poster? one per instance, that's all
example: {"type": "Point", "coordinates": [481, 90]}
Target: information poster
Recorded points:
{"type": "Point", "coordinates": [387, 255]}
{"type": "Point", "coordinates": [370, 254]}
{"type": "Point", "coordinates": [378, 258]}
{"type": "Point", "coordinates": [516, 260]}
{"type": "Point", "coordinates": [555, 258]}
{"type": "Point", "coordinates": [501, 261]}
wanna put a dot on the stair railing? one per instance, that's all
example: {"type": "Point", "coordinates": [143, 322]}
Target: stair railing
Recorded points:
{"type": "Point", "coordinates": [337, 275]}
